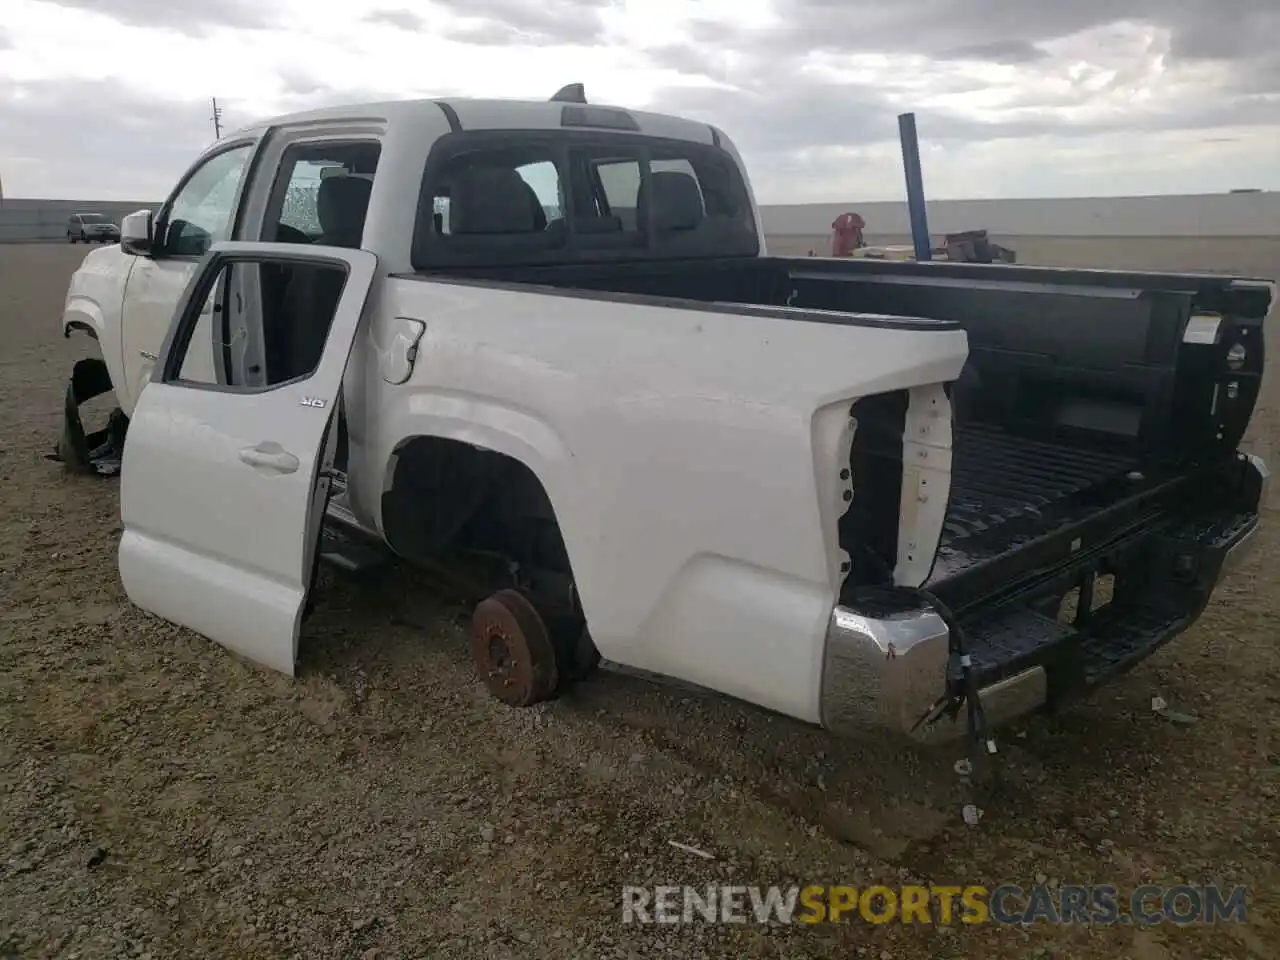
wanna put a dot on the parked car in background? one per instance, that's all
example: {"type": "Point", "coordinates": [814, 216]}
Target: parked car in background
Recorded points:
{"type": "Point", "coordinates": [91, 228]}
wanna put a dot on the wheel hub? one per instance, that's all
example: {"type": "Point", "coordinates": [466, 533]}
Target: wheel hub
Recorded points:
{"type": "Point", "coordinates": [512, 649]}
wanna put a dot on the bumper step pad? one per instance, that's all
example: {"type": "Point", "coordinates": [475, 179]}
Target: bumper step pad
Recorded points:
{"type": "Point", "coordinates": [1176, 579]}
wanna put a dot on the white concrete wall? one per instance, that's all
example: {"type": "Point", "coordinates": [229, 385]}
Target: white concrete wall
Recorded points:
{"type": "Point", "coordinates": [1206, 215]}
{"type": "Point", "coordinates": [27, 221]}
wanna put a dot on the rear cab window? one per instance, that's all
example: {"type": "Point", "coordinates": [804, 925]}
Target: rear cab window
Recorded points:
{"type": "Point", "coordinates": [495, 198]}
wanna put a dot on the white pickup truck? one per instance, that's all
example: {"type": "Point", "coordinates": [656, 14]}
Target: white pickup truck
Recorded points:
{"type": "Point", "coordinates": [543, 342]}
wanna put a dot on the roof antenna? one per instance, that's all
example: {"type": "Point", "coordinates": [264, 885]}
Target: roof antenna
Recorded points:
{"type": "Point", "coordinates": [570, 93]}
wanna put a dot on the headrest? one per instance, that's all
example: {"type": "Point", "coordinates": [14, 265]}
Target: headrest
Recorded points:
{"type": "Point", "coordinates": [676, 201]}
{"type": "Point", "coordinates": [341, 205]}
{"type": "Point", "coordinates": [493, 200]}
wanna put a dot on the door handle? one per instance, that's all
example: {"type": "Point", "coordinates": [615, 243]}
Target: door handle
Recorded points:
{"type": "Point", "coordinates": [269, 456]}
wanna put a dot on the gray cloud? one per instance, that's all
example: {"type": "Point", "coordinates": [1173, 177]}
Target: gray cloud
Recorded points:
{"type": "Point", "coordinates": [996, 51]}
{"type": "Point", "coordinates": [537, 22]}
{"type": "Point", "coordinates": [1227, 29]}
{"type": "Point", "coordinates": [699, 61]}
{"type": "Point", "coordinates": [400, 19]}
{"type": "Point", "coordinates": [803, 112]}
{"type": "Point", "coordinates": [5, 42]}
{"type": "Point", "coordinates": [795, 128]}
{"type": "Point", "coordinates": [806, 114]}
{"type": "Point", "coordinates": [800, 113]}
{"type": "Point", "coordinates": [83, 138]}
{"type": "Point", "coordinates": [296, 84]}
{"type": "Point", "coordinates": [184, 16]}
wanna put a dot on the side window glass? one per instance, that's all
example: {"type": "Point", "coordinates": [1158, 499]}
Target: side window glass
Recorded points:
{"type": "Point", "coordinates": [321, 193]}
{"type": "Point", "coordinates": [261, 325]}
{"type": "Point", "coordinates": [200, 214]}
{"type": "Point", "coordinates": [678, 165]}
{"type": "Point", "coordinates": [544, 180]}
{"type": "Point", "coordinates": [621, 182]}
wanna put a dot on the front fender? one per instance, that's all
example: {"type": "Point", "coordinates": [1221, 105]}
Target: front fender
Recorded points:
{"type": "Point", "coordinates": [83, 315]}
{"type": "Point", "coordinates": [94, 305]}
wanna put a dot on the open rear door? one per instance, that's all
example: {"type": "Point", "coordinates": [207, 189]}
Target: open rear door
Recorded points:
{"type": "Point", "coordinates": [224, 477]}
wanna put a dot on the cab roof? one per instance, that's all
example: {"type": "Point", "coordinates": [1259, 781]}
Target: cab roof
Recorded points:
{"type": "Point", "coordinates": [499, 114]}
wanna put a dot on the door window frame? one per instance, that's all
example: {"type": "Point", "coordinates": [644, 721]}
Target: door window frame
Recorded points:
{"type": "Point", "coordinates": [260, 184]}
{"type": "Point", "coordinates": [178, 339]}
{"type": "Point", "coordinates": [160, 226]}
{"type": "Point", "coordinates": [279, 185]}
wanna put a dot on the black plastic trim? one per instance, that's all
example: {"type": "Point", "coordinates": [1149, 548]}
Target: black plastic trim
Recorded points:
{"type": "Point", "coordinates": [1243, 297]}
{"type": "Point", "coordinates": [601, 118]}
{"type": "Point", "coordinates": [77, 326]}
{"type": "Point", "coordinates": [450, 114]}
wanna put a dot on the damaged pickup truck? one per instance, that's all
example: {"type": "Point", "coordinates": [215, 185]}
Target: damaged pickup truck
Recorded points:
{"type": "Point", "coordinates": [543, 342]}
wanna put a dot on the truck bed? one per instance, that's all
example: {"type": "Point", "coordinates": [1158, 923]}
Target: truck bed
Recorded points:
{"type": "Point", "coordinates": [1008, 489]}
{"type": "Point", "coordinates": [1086, 408]}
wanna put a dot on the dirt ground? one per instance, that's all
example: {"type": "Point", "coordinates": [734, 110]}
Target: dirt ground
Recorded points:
{"type": "Point", "coordinates": [160, 798]}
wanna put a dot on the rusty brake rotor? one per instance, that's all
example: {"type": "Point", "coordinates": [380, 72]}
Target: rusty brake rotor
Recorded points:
{"type": "Point", "coordinates": [512, 649]}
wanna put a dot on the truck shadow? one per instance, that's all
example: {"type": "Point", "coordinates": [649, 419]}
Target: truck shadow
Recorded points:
{"type": "Point", "coordinates": [901, 804]}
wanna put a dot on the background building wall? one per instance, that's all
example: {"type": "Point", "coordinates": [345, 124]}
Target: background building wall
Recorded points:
{"type": "Point", "coordinates": [799, 227]}
{"type": "Point", "coordinates": [26, 221]}
{"type": "Point", "coordinates": [1205, 215]}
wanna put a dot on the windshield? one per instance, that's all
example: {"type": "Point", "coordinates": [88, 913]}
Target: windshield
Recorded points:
{"type": "Point", "coordinates": [496, 198]}
{"type": "Point", "coordinates": [92, 218]}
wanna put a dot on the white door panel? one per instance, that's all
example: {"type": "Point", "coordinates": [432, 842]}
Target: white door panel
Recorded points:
{"type": "Point", "coordinates": [222, 488]}
{"type": "Point", "coordinates": [154, 289]}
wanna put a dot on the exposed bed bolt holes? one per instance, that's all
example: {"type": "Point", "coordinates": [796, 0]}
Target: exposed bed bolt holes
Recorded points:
{"type": "Point", "coordinates": [848, 495]}
{"type": "Point", "coordinates": [844, 474]}
{"type": "Point", "coordinates": [844, 566]}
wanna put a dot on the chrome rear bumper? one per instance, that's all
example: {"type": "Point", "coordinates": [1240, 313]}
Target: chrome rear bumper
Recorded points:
{"type": "Point", "coordinates": [889, 675]}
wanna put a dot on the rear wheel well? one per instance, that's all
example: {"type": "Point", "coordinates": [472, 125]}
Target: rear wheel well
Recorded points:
{"type": "Point", "coordinates": [447, 498]}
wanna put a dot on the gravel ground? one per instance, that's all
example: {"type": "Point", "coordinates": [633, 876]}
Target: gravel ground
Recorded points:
{"type": "Point", "coordinates": [160, 798]}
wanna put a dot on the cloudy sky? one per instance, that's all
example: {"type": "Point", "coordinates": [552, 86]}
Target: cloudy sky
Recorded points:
{"type": "Point", "coordinates": [109, 99]}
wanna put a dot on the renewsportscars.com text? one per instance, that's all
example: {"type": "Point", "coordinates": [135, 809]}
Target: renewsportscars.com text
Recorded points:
{"type": "Point", "coordinates": [973, 904]}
